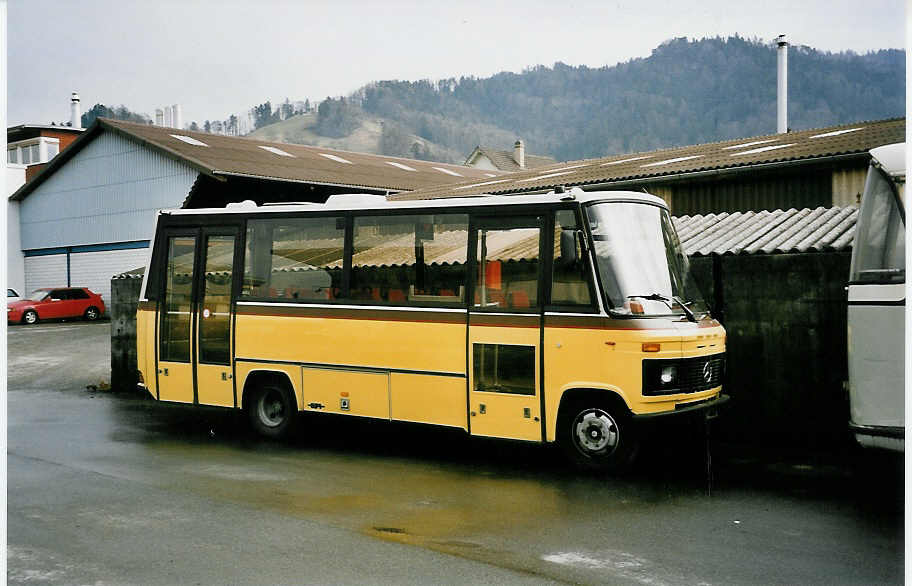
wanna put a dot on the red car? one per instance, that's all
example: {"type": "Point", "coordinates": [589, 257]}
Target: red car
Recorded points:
{"type": "Point", "coordinates": [56, 303]}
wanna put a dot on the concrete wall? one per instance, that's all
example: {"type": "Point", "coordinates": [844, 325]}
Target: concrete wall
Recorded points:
{"type": "Point", "coordinates": [785, 316]}
{"type": "Point", "coordinates": [122, 309]}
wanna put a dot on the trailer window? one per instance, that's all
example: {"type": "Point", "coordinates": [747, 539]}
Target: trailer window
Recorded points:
{"type": "Point", "coordinates": [879, 255]}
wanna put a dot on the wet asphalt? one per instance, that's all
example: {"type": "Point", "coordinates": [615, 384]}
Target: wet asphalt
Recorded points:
{"type": "Point", "coordinates": [110, 487]}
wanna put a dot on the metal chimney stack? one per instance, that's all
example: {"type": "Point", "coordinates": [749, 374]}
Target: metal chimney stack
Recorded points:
{"type": "Point", "coordinates": [75, 115]}
{"type": "Point", "coordinates": [782, 85]}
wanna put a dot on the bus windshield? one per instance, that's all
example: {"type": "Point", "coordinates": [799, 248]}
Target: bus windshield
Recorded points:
{"type": "Point", "coordinates": [641, 264]}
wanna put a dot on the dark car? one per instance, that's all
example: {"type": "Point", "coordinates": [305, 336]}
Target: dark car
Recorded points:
{"type": "Point", "coordinates": [56, 303]}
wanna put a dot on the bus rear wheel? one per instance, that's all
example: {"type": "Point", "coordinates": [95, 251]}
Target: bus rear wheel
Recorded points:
{"type": "Point", "coordinates": [272, 411]}
{"type": "Point", "coordinates": [598, 438]}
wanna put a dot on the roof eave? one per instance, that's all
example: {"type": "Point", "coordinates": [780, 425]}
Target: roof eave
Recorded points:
{"type": "Point", "coordinates": [171, 154]}
{"type": "Point", "coordinates": [218, 174]}
{"type": "Point", "coordinates": [86, 137]}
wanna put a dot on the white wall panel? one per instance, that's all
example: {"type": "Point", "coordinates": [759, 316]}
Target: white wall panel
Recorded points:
{"type": "Point", "coordinates": [95, 269]}
{"type": "Point", "coordinates": [45, 271]}
{"type": "Point", "coordinates": [108, 192]}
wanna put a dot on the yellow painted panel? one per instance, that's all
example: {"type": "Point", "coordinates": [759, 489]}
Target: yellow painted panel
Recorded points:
{"type": "Point", "coordinates": [428, 399]}
{"type": "Point", "coordinates": [505, 414]}
{"type": "Point", "coordinates": [212, 388]}
{"type": "Point", "coordinates": [145, 347]}
{"type": "Point", "coordinates": [613, 360]}
{"type": "Point", "coordinates": [177, 385]}
{"type": "Point", "coordinates": [367, 393]}
{"type": "Point", "coordinates": [353, 342]}
{"type": "Point", "coordinates": [243, 370]}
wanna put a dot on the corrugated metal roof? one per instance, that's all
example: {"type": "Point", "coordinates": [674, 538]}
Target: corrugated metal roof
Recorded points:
{"type": "Point", "coordinates": [821, 229]}
{"type": "Point", "coordinates": [842, 140]}
{"type": "Point", "coordinates": [217, 155]}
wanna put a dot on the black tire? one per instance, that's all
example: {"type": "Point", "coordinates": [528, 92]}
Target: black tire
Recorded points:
{"type": "Point", "coordinates": [597, 437]}
{"type": "Point", "coordinates": [30, 317]}
{"type": "Point", "coordinates": [272, 411]}
{"type": "Point", "coordinates": [92, 313]}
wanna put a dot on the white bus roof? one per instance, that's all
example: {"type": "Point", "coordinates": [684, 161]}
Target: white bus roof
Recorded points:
{"type": "Point", "coordinates": [892, 159]}
{"type": "Point", "coordinates": [364, 202]}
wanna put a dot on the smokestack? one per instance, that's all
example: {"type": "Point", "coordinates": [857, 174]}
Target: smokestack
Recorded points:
{"type": "Point", "coordinates": [75, 115]}
{"type": "Point", "coordinates": [159, 117]}
{"type": "Point", "coordinates": [176, 118]}
{"type": "Point", "coordinates": [782, 85]}
{"type": "Point", "coordinates": [519, 154]}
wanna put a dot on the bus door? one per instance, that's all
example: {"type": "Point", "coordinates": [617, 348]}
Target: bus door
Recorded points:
{"type": "Point", "coordinates": [194, 341]}
{"type": "Point", "coordinates": [505, 328]}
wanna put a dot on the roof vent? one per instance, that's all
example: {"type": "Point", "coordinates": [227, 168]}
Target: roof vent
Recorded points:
{"type": "Point", "coordinates": [247, 204]}
{"type": "Point", "coordinates": [355, 199]}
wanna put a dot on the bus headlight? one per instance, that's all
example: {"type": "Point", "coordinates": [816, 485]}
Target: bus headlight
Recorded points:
{"type": "Point", "coordinates": [669, 374]}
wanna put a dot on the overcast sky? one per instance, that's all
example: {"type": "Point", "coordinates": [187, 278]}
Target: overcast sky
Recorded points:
{"type": "Point", "coordinates": [219, 57]}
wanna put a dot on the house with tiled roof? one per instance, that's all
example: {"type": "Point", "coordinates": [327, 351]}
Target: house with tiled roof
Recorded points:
{"type": "Point", "coordinates": [515, 160]}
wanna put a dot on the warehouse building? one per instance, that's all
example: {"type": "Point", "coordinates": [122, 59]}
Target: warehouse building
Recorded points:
{"type": "Point", "coordinates": [807, 169]}
{"type": "Point", "coordinates": [89, 213]}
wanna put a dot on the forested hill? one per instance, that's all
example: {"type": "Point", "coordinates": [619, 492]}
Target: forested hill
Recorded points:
{"type": "Point", "coordinates": [685, 92]}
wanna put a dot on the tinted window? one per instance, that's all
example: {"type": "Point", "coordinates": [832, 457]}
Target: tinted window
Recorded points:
{"type": "Point", "coordinates": [294, 259]}
{"type": "Point", "coordinates": [570, 275]}
{"type": "Point", "coordinates": [215, 318]}
{"type": "Point", "coordinates": [78, 294]}
{"type": "Point", "coordinates": [409, 259]}
{"type": "Point", "coordinates": [175, 320]}
{"type": "Point", "coordinates": [504, 368]}
{"type": "Point", "coordinates": [507, 256]}
{"type": "Point", "coordinates": [60, 294]}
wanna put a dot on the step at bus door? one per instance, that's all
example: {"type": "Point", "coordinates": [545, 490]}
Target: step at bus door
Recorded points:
{"type": "Point", "coordinates": [505, 328]}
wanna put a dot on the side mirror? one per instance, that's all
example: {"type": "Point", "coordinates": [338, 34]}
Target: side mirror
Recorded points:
{"type": "Point", "coordinates": [569, 243]}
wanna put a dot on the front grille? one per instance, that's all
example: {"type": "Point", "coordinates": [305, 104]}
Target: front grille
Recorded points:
{"type": "Point", "coordinates": [692, 375]}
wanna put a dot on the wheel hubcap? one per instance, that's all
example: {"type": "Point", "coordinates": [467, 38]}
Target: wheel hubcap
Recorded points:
{"type": "Point", "coordinates": [30, 318]}
{"type": "Point", "coordinates": [271, 409]}
{"type": "Point", "coordinates": [596, 432]}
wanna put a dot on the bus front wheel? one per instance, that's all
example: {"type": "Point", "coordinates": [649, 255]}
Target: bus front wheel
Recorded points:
{"type": "Point", "coordinates": [272, 411]}
{"type": "Point", "coordinates": [598, 438]}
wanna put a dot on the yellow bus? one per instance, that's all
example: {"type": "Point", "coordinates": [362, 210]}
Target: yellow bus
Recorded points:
{"type": "Point", "coordinates": [568, 317]}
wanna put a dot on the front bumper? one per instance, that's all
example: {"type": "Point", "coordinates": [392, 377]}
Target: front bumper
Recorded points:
{"type": "Point", "coordinates": [684, 408]}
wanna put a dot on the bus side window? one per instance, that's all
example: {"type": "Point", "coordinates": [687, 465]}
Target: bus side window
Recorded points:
{"type": "Point", "coordinates": [291, 259]}
{"type": "Point", "coordinates": [570, 274]}
{"type": "Point", "coordinates": [409, 260]}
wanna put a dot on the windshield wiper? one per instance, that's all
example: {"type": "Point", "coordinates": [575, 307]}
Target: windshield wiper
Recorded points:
{"type": "Point", "coordinates": [668, 301]}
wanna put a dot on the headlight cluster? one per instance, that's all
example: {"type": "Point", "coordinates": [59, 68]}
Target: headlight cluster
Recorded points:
{"type": "Point", "coordinates": [668, 376]}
